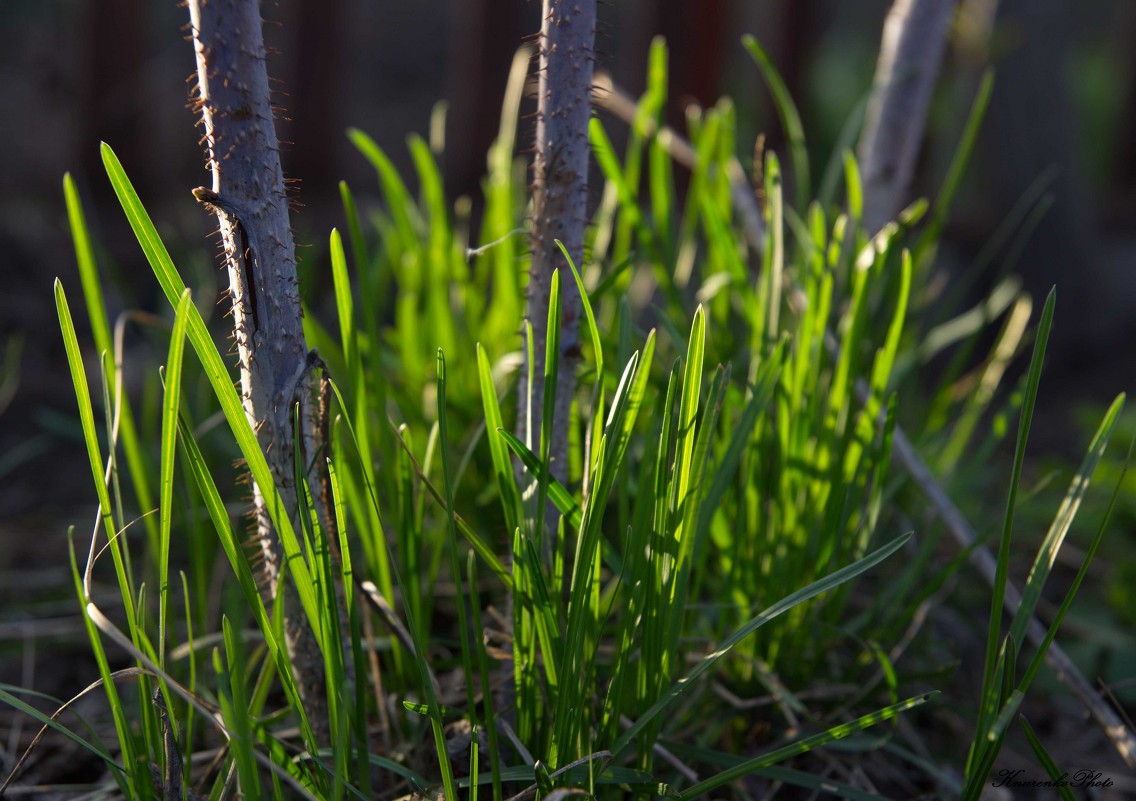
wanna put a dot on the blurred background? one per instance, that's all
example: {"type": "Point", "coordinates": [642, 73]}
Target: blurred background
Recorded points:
{"type": "Point", "coordinates": [75, 72]}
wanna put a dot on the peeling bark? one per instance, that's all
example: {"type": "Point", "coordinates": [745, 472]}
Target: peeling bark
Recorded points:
{"type": "Point", "coordinates": [915, 36]}
{"type": "Point", "coordinates": [277, 371]}
{"type": "Point", "coordinates": [560, 194]}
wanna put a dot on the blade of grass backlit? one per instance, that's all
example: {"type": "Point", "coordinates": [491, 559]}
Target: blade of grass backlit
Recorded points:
{"type": "Point", "coordinates": [87, 420]}
{"type": "Point", "coordinates": [1090, 552]}
{"type": "Point", "coordinates": [775, 263]}
{"type": "Point", "coordinates": [502, 469]}
{"type": "Point", "coordinates": [682, 491]}
{"type": "Point", "coordinates": [1056, 775]}
{"type": "Point", "coordinates": [94, 454]}
{"type": "Point", "coordinates": [100, 329]}
{"type": "Point", "coordinates": [790, 119]}
{"type": "Point", "coordinates": [218, 376]}
{"type": "Point", "coordinates": [988, 709]}
{"type": "Point", "coordinates": [170, 406]}
{"type": "Point", "coordinates": [344, 304]}
{"type": "Point", "coordinates": [597, 348]}
{"type": "Point", "coordinates": [355, 231]}
{"type": "Point", "coordinates": [556, 491]}
{"type": "Point", "coordinates": [688, 411]}
{"type": "Point", "coordinates": [854, 188]}
{"type": "Point", "coordinates": [544, 539]}
{"type": "Point", "coordinates": [439, 284]}
{"type": "Point", "coordinates": [885, 357]}
{"type": "Point", "coordinates": [1055, 537]}
{"type": "Point", "coordinates": [349, 336]}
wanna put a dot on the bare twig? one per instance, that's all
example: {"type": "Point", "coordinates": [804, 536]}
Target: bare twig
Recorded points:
{"type": "Point", "coordinates": [666, 755]}
{"type": "Point", "coordinates": [378, 603]}
{"type": "Point", "coordinates": [15, 772]}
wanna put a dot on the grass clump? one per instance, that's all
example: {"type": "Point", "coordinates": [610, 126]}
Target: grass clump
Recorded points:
{"type": "Point", "coordinates": [729, 483]}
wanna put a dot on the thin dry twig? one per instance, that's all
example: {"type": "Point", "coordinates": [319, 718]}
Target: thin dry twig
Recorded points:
{"type": "Point", "coordinates": [377, 602]}
{"type": "Point", "coordinates": [207, 710]}
{"type": "Point", "coordinates": [118, 674]}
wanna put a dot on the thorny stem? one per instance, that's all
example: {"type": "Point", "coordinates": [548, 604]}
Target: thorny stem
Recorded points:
{"type": "Point", "coordinates": [249, 200]}
{"type": "Point", "coordinates": [560, 193]}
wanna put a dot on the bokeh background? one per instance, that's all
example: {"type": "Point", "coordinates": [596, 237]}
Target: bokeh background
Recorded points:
{"type": "Point", "coordinates": [74, 72]}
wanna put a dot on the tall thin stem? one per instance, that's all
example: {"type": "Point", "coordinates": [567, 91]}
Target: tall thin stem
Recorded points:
{"type": "Point", "coordinates": [560, 194]}
{"type": "Point", "coordinates": [915, 36]}
{"type": "Point", "coordinates": [252, 211]}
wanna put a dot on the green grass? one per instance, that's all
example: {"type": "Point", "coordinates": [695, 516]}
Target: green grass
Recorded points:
{"type": "Point", "coordinates": [729, 510]}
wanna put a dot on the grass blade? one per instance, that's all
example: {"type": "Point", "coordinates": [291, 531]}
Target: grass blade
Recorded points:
{"type": "Point", "coordinates": [1047, 553]}
{"type": "Point", "coordinates": [790, 119]}
{"type": "Point", "coordinates": [100, 328]}
{"type": "Point", "coordinates": [814, 589]}
{"type": "Point", "coordinates": [170, 406]}
{"type": "Point", "coordinates": [951, 182]}
{"type": "Point", "coordinates": [218, 376]}
{"type": "Point", "coordinates": [1000, 577]}
{"type": "Point", "coordinates": [801, 746]}
{"type": "Point", "coordinates": [1055, 773]}
{"type": "Point", "coordinates": [495, 426]}
{"type": "Point", "coordinates": [556, 491]}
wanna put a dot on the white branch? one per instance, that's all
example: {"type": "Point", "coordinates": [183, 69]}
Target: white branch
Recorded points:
{"type": "Point", "coordinates": [915, 36]}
